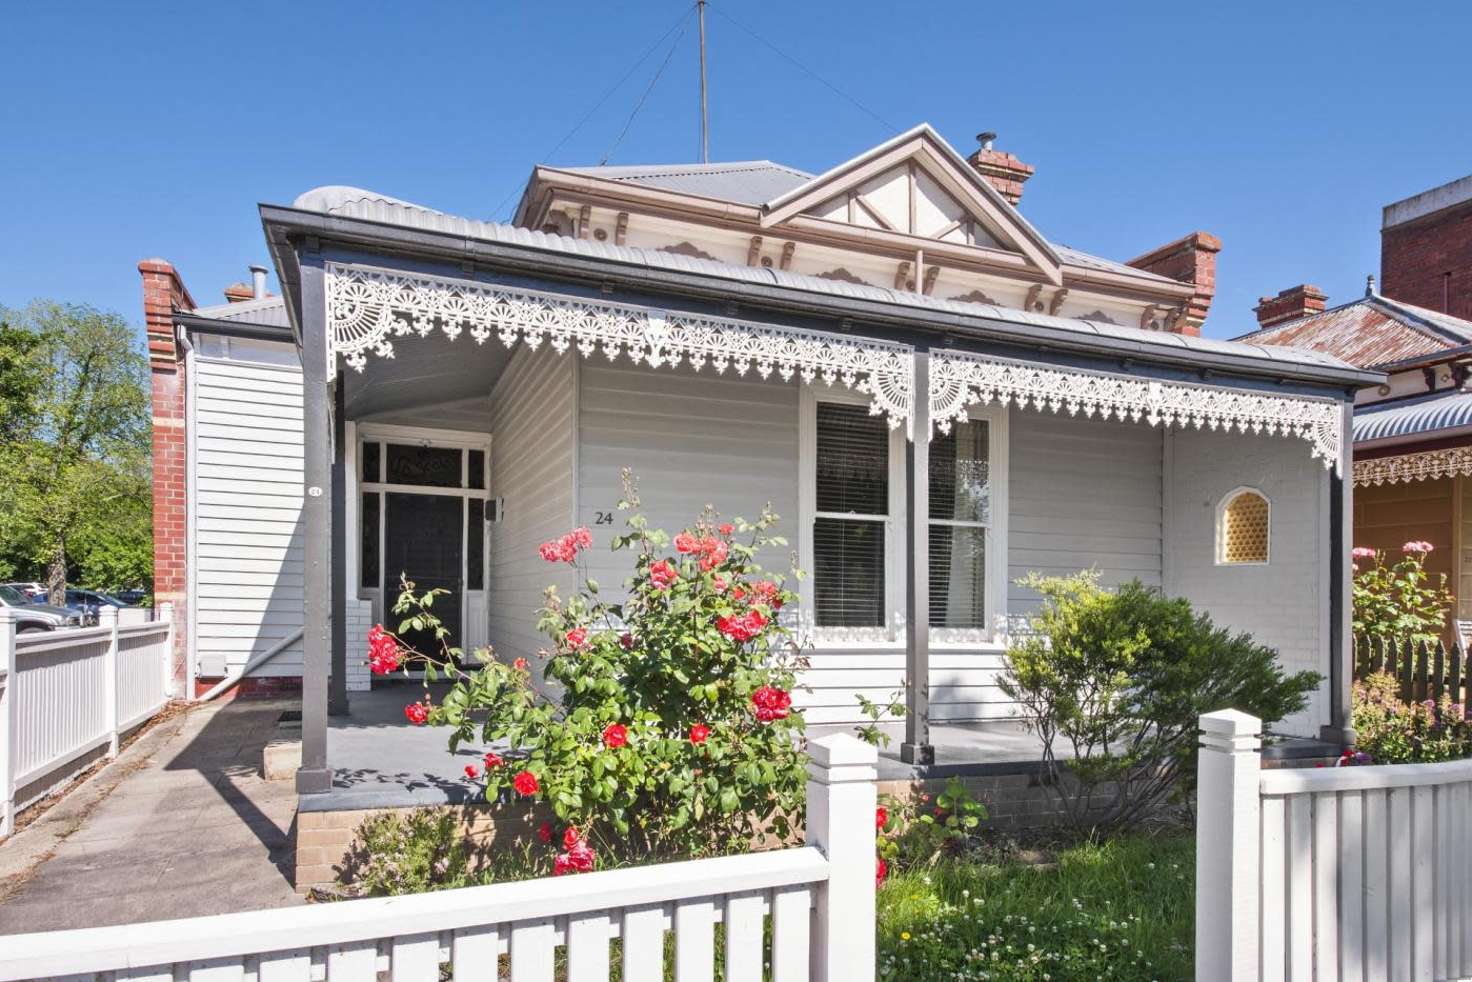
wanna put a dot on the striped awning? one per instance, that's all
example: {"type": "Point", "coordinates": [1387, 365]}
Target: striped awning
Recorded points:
{"type": "Point", "coordinates": [1424, 416]}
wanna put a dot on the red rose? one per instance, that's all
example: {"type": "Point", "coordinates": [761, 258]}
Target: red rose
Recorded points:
{"type": "Point", "coordinates": [416, 713]}
{"type": "Point", "coordinates": [685, 542]}
{"type": "Point", "coordinates": [582, 536]}
{"type": "Point", "coordinates": [492, 759]}
{"type": "Point", "coordinates": [699, 733]}
{"type": "Point", "coordinates": [881, 870]}
{"type": "Point", "coordinates": [739, 593]}
{"type": "Point", "coordinates": [471, 771]}
{"type": "Point", "coordinates": [881, 818]}
{"type": "Point", "coordinates": [771, 703]}
{"type": "Point", "coordinates": [525, 783]}
{"type": "Point", "coordinates": [544, 832]}
{"type": "Point", "coordinates": [766, 592]}
{"type": "Point", "coordinates": [727, 528]}
{"type": "Point", "coordinates": [713, 552]}
{"type": "Point", "coordinates": [662, 574]}
{"type": "Point", "coordinates": [615, 735]}
{"type": "Point", "coordinates": [577, 637]}
{"type": "Point", "coordinates": [383, 651]}
{"type": "Point", "coordinates": [626, 642]}
{"type": "Point", "coordinates": [577, 859]}
{"type": "Point", "coordinates": [570, 838]}
{"type": "Point", "coordinates": [742, 628]}
{"type": "Point", "coordinates": [519, 664]}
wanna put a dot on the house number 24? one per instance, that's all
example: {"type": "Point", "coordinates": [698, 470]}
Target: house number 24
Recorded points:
{"type": "Point", "coordinates": [603, 518]}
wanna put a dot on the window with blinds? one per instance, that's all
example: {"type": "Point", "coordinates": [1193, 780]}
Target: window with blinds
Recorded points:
{"type": "Point", "coordinates": [960, 522]}
{"type": "Point", "coordinates": [1242, 531]}
{"type": "Point", "coordinates": [852, 484]}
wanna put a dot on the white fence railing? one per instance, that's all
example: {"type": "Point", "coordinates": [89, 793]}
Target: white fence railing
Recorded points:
{"type": "Point", "coordinates": [817, 901]}
{"type": "Point", "coordinates": [1357, 874]}
{"type": "Point", "coordinates": [68, 693]}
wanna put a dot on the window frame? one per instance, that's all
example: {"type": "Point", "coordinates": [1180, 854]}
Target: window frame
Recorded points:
{"type": "Point", "coordinates": [994, 599]}
{"type": "Point", "coordinates": [991, 638]}
{"type": "Point", "coordinates": [1219, 551]}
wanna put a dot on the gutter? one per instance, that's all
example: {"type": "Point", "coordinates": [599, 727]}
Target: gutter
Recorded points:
{"type": "Point", "coordinates": [234, 329]}
{"type": "Point", "coordinates": [283, 224]}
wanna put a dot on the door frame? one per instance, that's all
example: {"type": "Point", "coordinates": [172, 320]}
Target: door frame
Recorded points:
{"type": "Point", "coordinates": [463, 440]}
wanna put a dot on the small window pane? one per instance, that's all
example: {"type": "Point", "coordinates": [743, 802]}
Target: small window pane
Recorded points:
{"type": "Point", "coordinates": [957, 576]}
{"type": "Point", "coordinates": [370, 462]}
{"type": "Point", "coordinates": [368, 574]}
{"type": "Point", "coordinates": [1245, 529]}
{"type": "Point", "coordinates": [477, 466]}
{"type": "Point", "coordinates": [848, 573]}
{"type": "Point", "coordinates": [960, 474]}
{"type": "Point", "coordinates": [435, 467]}
{"type": "Point", "coordinates": [852, 461]}
{"type": "Point", "coordinates": [475, 531]}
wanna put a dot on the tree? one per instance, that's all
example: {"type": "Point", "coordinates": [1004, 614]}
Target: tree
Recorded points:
{"type": "Point", "coordinates": [83, 381]}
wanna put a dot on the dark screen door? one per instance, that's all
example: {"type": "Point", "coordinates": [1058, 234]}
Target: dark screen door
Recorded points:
{"type": "Point", "coordinates": [424, 538]}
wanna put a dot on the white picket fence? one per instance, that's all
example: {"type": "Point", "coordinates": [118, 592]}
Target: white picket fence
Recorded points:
{"type": "Point", "coordinates": [66, 694]}
{"type": "Point", "coordinates": [818, 901]}
{"type": "Point", "coordinates": [1359, 874]}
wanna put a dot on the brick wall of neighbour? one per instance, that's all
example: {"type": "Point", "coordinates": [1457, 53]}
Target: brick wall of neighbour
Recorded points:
{"type": "Point", "coordinates": [1428, 261]}
{"type": "Point", "coordinates": [163, 293]}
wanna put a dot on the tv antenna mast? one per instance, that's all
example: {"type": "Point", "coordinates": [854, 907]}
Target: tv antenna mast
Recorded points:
{"type": "Point", "coordinates": [704, 111]}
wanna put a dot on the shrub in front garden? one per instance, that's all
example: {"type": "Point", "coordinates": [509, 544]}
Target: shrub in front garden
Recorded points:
{"type": "Point", "coordinates": [1113, 682]}
{"type": "Point", "coordinates": [674, 733]}
{"type": "Point", "coordinates": [1400, 602]}
{"type": "Point", "coordinates": [1393, 731]}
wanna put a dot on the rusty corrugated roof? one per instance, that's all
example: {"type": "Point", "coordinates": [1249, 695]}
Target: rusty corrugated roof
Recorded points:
{"type": "Point", "coordinates": [1370, 332]}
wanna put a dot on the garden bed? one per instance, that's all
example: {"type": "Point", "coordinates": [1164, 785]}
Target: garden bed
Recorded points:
{"type": "Point", "coordinates": [1121, 909]}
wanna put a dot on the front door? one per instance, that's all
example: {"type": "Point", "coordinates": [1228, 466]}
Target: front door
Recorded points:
{"type": "Point", "coordinates": [424, 538]}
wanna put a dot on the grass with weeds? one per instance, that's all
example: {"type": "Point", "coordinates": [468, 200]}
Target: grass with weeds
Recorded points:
{"type": "Point", "coordinates": [1119, 909]}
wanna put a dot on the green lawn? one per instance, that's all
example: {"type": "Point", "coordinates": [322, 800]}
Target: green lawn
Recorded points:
{"type": "Point", "coordinates": [1123, 909]}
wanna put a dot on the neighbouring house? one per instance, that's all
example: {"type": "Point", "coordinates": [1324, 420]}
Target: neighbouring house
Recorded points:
{"type": "Point", "coordinates": [1413, 433]}
{"type": "Point", "coordinates": [934, 396]}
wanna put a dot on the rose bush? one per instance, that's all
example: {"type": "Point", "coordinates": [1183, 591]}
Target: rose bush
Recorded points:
{"type": "Point", "coordinates": [1399, 602]}
{"type": "Point", "coordinates": [673, 733]}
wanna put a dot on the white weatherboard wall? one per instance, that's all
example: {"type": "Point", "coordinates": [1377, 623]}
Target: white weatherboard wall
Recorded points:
{"type": "Point", "coordinates": [246, 497]}
{"type": "Point", "coordinates": [1283, 604]}
{"type": "Point", "coordinates": [533, 436]}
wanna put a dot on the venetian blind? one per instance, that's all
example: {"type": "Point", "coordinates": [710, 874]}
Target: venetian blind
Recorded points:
{"type": "Point", "coordinates": [852, 485]}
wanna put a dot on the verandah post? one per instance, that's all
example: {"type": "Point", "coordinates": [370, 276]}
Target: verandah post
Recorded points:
{"type": "Point", "coordinates": [840, 821]}
{"type": "Point", "coordinates": [1228, 847]}
{"type": "Point", "coordinates": [917, 748]}
{"type": "Point", "coordinates": [9, 721]}
{"type": "Point", "coordinates": [107, 617]}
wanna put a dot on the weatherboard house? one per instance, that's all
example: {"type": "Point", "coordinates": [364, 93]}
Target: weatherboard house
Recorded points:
{"type": "Point", "coordinates": [934, 397]}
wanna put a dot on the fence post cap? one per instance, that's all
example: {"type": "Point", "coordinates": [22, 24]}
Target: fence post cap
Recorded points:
{"type": "Point", "coordinates": [106, 614]}
{"type": "Point", "coordinates": [1230, 722]}
{"type": "Point", "coordinates": [842, 750]}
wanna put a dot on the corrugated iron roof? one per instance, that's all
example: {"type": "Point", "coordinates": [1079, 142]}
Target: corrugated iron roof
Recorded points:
{"type": "Point", "coordinates": [1370, 332]}
{"type": "Point", "coordinates": [350, 202]}
{"type": "Point", "coordinates": [747, 182]}
{"type": "Point", "coordinates": [270, 311]}
{"type": "Point", "coordinates": [1423, 416]}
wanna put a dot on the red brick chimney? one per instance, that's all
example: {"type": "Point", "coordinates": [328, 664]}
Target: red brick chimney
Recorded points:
{"type": "Point", "coordinates": [239, 293]}
{"type": "Point", "coordinates": [1002, 170]}
{"type": "Point", "coordinates": [1191, 259]}
{"type": "Point", "coordinates": [1290, 304]}
{"type": "Point", "coordinates": [163, 293]}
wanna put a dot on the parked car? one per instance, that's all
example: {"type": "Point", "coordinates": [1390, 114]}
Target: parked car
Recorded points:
{"type": "Point", "coordinates": [32, 617]}
{"type": "Point", "coordinates": [132, 597]}
{"type": "Point", "coordinates": [33, 591]}
{"type": "Point", "coordinates": [90, 602]}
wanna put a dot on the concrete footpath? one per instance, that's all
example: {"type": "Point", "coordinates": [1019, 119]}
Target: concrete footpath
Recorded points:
{"type": "Point", "coordinates": [180, 825]}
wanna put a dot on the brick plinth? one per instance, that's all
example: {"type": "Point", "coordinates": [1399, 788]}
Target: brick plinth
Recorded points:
{"type": "Point", "coordinates": [253, 687]}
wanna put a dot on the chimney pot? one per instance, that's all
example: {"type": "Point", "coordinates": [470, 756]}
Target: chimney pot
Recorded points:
{"type": "Point", "coordinates": [258, 282]}
{"type": "Point", "coordinates": [1303, 300]}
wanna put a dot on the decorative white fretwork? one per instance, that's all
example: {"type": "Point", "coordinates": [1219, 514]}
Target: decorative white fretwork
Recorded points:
{"type": "Point", "coordinates": [367, 307]}
{"type": "Point", "coordinates": [958, 380]}
{"type": "Point", "coordinates": [1427, 465]}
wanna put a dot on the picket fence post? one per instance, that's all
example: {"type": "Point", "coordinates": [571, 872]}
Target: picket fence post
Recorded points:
{"type": "Point", "coordinates": [9, 721]}
{"type": "Point", "coordinates": [842, 798]}
{"type": "Point", "coordinates": [166, 613]}
{"type": "Point", "coordinates": [1228, 844]}
{"type": "Point", "coordinates": [107, 617]}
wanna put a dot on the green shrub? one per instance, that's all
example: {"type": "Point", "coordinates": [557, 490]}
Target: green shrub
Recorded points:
{"type": "Point", "coordinates": [1113, 682]}
{"type": "Point", "coordinates": [1393, 731]}
{"type": "Point", "coordinates": [1400, 602]}
{"type": "Point", "coordinates": [394, 854]}
{"type": "Point", "coordinates": [917, 830]}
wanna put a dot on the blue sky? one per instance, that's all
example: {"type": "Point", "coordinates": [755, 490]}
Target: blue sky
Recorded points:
{"type": "Point", "coordinates": [134, 130]}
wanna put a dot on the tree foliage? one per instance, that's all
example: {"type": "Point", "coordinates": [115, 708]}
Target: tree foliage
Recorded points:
{"type": "Point", "coordinates": [74, 446]}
